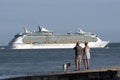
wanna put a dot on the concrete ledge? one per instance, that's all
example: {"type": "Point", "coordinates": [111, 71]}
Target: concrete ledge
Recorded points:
{"type": "Point", "coordinates": [112, 73]}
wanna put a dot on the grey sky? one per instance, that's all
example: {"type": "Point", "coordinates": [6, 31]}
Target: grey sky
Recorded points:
{"type": "Point", "coordinates": [60, 16]}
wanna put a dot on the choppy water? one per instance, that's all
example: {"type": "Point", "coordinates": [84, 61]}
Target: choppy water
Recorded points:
{"type": "Point", "coordinates": [25, 62]}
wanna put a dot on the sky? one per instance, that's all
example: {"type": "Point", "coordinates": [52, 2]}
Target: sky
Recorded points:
{"type": "Point", "coordinates": [101, 17]}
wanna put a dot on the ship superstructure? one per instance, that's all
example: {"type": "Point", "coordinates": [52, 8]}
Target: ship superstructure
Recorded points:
{"type": "Point", "coordinates": [45, 39]}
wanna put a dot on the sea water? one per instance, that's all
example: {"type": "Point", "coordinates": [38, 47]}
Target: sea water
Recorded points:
{"type": "Point", "coordinates": [26, 62]}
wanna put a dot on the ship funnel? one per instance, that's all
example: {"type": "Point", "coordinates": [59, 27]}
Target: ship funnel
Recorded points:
{"type": "Point", "coordinates": [81, 31]}
{"type": "Point", "coordinates": [25, 29]}
{"type": "Point", "coordinates": [42, 29]}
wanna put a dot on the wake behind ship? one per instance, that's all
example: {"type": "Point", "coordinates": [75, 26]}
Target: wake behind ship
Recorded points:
{"type": "Point", "coordinates": [44, 39]}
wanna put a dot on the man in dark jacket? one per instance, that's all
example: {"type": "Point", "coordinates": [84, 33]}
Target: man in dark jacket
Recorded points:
{"type": "Point", "coordinates": [78, 56]}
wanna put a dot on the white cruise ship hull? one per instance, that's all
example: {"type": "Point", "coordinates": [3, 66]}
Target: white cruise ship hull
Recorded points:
{"type": "Point", "coordinates": [99, 44]}
{"type": "Point", "coordinates": [43, 39]}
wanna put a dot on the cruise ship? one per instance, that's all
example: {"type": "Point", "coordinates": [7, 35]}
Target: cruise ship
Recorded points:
{"type": "Point", "coordinates": [45, 39]}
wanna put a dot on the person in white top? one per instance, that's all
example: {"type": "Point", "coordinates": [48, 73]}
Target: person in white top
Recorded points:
{"type": "Point", "coordinates": [86, 56]}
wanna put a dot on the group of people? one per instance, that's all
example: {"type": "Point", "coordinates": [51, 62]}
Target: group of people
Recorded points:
{"type": "Point", "coordinates": [82, 53]}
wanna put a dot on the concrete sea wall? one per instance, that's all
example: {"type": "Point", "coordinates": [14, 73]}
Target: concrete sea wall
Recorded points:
{"type": "Point", "coordinates": [92, 74]}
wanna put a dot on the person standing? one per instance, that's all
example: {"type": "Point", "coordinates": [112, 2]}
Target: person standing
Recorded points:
{"type": "Point", "coordinates": [78, 56]}
{"type": "Point", "coordinates": [86, 56]}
